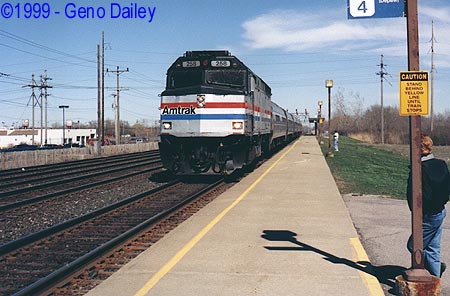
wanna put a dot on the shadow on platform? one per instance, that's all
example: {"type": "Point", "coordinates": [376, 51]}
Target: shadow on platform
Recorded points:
{"type": "Point", "coordinates": [385, 274]}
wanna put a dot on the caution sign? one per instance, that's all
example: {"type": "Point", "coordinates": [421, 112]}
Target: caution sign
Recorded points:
{"type": "Point", "coordinates": [414, 93]}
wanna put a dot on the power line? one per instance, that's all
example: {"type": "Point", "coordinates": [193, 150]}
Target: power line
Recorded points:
{"type": "Point", "coordinates": [12, 77]}
{"type": "Point", "coordinates": [40, 46]}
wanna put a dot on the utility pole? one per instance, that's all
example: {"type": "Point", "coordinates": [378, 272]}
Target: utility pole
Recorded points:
{"type": "Point", "coordinates": [33, 100]}
{"type": "Point", "coordinates": [63, 107]}
{"type": "Point", "coordinates": [41, 105]}
{"type": "Point", "coordinates": [99, 105]}
{"type": "Point", "coordinates": [103, 88]}
{"type": "Point", "coordinates": [44, 87]}
{"type": "Point", "coordinates": [117, 125]}
{"type": "Point", "coordinates": [432, 79]}
{"type": "Point", "coordinates": [382, 73]}
{"type": "Point", "coordinates": [418, 273]}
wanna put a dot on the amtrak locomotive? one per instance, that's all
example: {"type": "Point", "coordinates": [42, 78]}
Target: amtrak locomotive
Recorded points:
{"type": "Point", "coordinates": [217, 115]}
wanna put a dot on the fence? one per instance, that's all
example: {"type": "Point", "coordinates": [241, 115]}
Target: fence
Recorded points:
{"type": "Point", "coordinates": [21, 159]}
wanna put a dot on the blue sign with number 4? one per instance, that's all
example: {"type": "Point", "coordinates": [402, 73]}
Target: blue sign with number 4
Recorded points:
{"type": "Point", "coordinates": [375, 8]}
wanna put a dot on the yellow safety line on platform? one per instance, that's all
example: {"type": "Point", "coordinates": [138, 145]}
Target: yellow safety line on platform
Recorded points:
{"type": "Point", "coordinates": [369, 280]}
{"type": "Point", "coordinates": [175, 259]}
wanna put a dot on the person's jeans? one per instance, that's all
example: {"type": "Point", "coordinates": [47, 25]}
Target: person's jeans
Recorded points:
{"type": "Point", "coordinates": [432, 232]}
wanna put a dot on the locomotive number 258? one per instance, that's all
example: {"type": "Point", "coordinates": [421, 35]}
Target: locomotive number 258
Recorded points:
{"type": "Point", "coordinates": [220, 63]}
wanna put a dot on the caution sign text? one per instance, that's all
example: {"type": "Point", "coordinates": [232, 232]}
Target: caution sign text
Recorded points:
{"type": "Point", "coordinates": [414, 93]}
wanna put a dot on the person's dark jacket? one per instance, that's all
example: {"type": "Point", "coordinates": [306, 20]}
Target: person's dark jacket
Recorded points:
{"type": "Point", "coordinates": [435, 185]}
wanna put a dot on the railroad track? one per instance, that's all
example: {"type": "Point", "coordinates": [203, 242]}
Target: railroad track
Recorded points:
{"type": "Point", "coordinates": [31, 209]}
{"type": "Point", "coordinates": [33, 263]}
{"type": "Point", "coordinates": [17, 197]}
{"type": "Point", "coordinates": [32, 171]}
{"type": "Point", "coordinates": [58, 175]}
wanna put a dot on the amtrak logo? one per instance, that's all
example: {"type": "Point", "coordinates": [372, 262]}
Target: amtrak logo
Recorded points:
{"type": "Point", "coordinates": [178, 110]}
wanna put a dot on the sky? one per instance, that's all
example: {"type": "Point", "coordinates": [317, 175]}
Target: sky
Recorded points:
{"type": "Point", "coordinates": [292, 45]}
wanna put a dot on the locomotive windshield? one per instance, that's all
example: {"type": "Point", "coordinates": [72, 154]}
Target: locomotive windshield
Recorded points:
{"type": "Point", "coordinates": [194, 77]}
{"type": "Point", "coordinates": [231, 78]}
{"type": "Point", "coordinates": [185, 78]}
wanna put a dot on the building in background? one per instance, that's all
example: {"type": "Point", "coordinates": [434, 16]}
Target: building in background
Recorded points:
{"type": "Point", "coordinates": [10, 137]}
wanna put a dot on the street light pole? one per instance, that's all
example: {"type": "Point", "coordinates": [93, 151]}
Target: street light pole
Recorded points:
{"type": "Point", "coordinates": [320, 122]}
{"type": "Point", "coordinates": [329, 85]}
{"type": "Point", "coordinates": [64, 122]}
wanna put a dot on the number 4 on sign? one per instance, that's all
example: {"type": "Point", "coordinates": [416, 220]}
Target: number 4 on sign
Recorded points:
{"type": "Point", "coordinates": [362, 8]}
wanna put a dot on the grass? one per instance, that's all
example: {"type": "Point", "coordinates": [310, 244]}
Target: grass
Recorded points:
{"type": "Point", "coordinates": [363, 169]}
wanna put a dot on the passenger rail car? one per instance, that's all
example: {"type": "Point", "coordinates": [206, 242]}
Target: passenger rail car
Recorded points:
{"type": "Point", "coordinates": [217, 115]}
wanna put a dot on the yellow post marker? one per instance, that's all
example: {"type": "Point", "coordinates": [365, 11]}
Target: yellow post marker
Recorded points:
{"type": "Point", "coordinates": [414, 95]}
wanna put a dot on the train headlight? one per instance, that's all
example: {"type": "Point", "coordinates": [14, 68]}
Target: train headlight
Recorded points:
{"type": "Point", "coordinates": [201, 101]}
{"type": "Point", "coordinates": [167, 125]}
{"type": "Point", "coordinates": [237, 125]}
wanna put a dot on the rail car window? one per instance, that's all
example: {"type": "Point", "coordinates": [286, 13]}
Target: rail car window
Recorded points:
{"type": "Point", "coordinates": [179, 79]}
{"type": "Point", "coordinates": [233, 78]}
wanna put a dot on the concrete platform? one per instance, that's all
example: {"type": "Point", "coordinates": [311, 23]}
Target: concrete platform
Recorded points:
{"type": "Point", "coordinates": [283, 230]}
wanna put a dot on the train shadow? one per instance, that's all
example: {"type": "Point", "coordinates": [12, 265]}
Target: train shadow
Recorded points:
{"type": "Point", "coordinates": [162, 177]}
{"type": "Point", "coordinates": [166, 176]}
{"type": "Point", "coordinates": [385, 274]}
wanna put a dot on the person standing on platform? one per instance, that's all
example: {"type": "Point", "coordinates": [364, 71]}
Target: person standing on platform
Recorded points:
{"type": "Point", "coordinates": [336, 140]}
{"type": "Point", "coordinates": [435, 194]}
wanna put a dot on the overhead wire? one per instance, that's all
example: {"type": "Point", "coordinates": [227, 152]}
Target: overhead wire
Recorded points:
{"type": "Point", "coordinates": [43, 47]}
